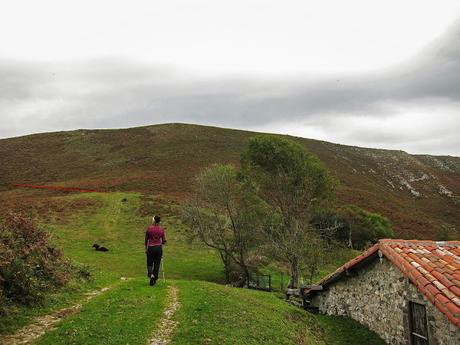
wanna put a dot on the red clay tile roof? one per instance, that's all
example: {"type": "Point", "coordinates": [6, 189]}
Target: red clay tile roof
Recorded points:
{"type": "Point", "coordinates": [434, 267]}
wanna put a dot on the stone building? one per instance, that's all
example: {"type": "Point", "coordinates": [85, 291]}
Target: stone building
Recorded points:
{"type": "Point", "coordinates": [408, 292]}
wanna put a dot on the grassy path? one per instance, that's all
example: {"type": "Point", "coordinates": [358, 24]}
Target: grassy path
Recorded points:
{"type": "Point", "coordinates": [118, 226]}
{"type": "Point", "coordinates": [163, 332]}
{"type": "Point", "coordinates": [125, 315]}
{"type": "Point", "coordinates": [187, 309]}
{"type": "Point", "coordinates": [40, 325]}
{"type": "Point", "coordinates": [195, 312]}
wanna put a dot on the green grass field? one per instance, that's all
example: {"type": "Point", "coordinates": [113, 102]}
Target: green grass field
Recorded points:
{"type": "Point", "coordinates": [210, 313]}
{"type": "Point", "coordinates": [118, 226]}
{"type": "Point", "coordinates": [124, 315]}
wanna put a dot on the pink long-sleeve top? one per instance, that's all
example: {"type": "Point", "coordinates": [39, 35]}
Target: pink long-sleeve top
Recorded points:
{"type": "Point", "coordinates": [154, 236]}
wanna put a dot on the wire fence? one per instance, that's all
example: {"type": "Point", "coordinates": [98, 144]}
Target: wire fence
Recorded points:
{"type": "Point", "coordinates": [268, 282]}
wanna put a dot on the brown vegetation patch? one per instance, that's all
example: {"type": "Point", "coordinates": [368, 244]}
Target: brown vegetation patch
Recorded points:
{"type": "Point", "coordinates": [163, 159]}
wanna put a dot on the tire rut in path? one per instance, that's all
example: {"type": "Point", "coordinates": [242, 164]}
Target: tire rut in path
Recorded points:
{"type": "Point", "coordinates": [31, 332]}
{"type": "Point", "coordinates": [167, 326]}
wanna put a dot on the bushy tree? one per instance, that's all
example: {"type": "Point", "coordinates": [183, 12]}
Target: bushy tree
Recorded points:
{"type": "Point", "coordinates": [295, 184]}
{"type": "Point", "coordinates": [29, 264]}
{"type": "Point", "coordinates": [329, 225]}
{"type": "Point", "coordinates": [363, 227]}
{"type": "Point", "coordinates": [315, 255]}
{"type": "Point", "coordinates": [224, 216]}
{"type": "Point", "coordinates": [446, 233]}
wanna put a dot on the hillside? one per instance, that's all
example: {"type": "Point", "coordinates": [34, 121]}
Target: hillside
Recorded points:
{"type": "Point", "coordinates": [417, 192]}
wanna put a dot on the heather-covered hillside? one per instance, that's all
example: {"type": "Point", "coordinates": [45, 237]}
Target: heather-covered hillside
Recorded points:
{"type": "Point", "coordinates": [419, 193]}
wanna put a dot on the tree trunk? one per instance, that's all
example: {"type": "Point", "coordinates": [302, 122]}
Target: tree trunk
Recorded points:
{"type": "Point", "coordinates": [294, 274]}
{"type": "Point", "coordinates": [227, 273]}
{"type": "Point", "coordinates": [226, 260]}
{"type": "Point", "coordinates": [350, 243]}
{"type": "Point", "coordinates": [244, 267]}
{"type": "Point", "coordinates": [247, 276]}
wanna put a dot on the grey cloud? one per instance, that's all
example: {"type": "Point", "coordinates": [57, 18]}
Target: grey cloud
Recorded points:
{"type": "Point", "coordinates": [119, 93]}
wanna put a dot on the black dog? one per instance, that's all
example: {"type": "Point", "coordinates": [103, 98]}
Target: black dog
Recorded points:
{"type": "Point", "coordinates": [99, 248]}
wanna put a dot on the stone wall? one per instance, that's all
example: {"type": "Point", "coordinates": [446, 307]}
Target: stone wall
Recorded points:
{"type": "Point", "coordinates": [378, 296]}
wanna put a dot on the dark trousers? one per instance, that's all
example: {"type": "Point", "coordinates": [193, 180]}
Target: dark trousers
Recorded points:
{"type": "Point", "coordinates": [154, 255]}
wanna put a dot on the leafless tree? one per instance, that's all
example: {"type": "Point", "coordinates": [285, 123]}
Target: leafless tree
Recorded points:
{"type": "Point", "coordinates": [222, 216]}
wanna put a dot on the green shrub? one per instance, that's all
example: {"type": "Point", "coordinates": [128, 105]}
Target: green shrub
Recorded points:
{"type": "Point", "coordinates": [445, 233]}
{"type": "Point", "coordinates": [364, 227]}
{"type": "Point", "coordinates": [352, 226]}
{"type": "Point", "coordinates": [29, 265]}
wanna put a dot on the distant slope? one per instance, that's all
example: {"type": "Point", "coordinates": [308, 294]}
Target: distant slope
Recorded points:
{"type": "Point", "coordinates": [417, 192]}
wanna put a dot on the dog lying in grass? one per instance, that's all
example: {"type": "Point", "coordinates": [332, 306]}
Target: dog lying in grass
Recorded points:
{"type": "Point", "coordinates": [99, 248]}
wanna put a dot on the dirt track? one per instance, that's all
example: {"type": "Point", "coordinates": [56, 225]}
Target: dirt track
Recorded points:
{"type": "Point", "coordinates": [31, 332]}
{"type": "Point", "coordinates": [163, 333]}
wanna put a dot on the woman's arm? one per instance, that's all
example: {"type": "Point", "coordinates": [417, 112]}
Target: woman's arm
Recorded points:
{"type": "Point", "coordinates": [163, 238]}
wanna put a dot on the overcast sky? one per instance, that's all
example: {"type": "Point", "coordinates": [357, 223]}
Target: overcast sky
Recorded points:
{"type": "Point", "coordinates": [369, 73]}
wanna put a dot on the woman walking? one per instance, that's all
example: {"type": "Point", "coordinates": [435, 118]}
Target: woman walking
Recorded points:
{"type": "Point", "coordinates": [154, 240]}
